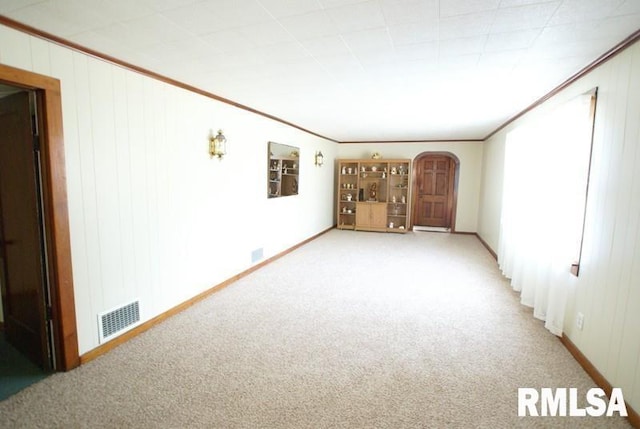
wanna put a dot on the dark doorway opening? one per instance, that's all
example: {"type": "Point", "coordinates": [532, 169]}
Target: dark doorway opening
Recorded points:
{"type": "Point", "coordinates": [24, 276]}
{"type": "Point", "coordinates": [47, 240]}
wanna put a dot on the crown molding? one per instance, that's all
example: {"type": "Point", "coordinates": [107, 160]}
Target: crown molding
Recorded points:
{"type": "Point", "coordinates": [630, 40]}
{"type": "Point", "coordinates": [413, 141]}
{"type": "Point", "coordinates": [108, 58]}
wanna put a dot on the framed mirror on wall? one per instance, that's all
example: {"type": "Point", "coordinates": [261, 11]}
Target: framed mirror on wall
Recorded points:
{"type": "Point", "coordinates": [282, 170]}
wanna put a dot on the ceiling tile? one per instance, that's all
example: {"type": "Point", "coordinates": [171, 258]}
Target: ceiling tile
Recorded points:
{"type": "Point", "coordinates": [151, 30]}
{"type": "Point", "coordinates": [358, 16]}
{"type": "Point", "coordinates": [369, 40]}
{"type": "Point", "coordinates": [237, 13]}
{"type": "Point", "coordinates": [512, 40]}
{"type": "Point", "coordinates": [163, 5]}
{"type": "Point", "coordinates": [197, 18]}
{"type": "Point", "coordinates": [340, 65]}
{"type": "Point", "coordinates": [287, 51]}
{"type": "Point", "coordinates": [7, 6]}
{"type": "Point", "coordinates": [571, 11]}
{"type": "Point", "coordinates": [475, 24]}
{"type": "Point", "coordinates": [464, 46]}
{"type": "Point", "coordinates": [215, 15]}
{"type": "Point", "coordinates": [461, 7]}
{"type": "Point", "coordinates": [618, 27]}
{"type": "Point", "coordinates": [63, 18]}
{"type": "Point", "coordinates": [232, 40]}
{"type": "Point", "coordinates": [454, 63]}
{"type": "Point", "coordinates": [179, 50]}
{"type": "Point", "coordinates": [309, 26]}
{"type": "Point", "coordinates": [282, 8]}
{"type": "Point", "coordinates": [410, 11]}
{"type": "Point", "coordinates": [523, 17]}
{"type": "Point", "coordinates": [628, 7]}
{"type": "Point", "coordinates": [417, 51]}
{"type": "Point", "coordinates": [122, 10]}
{"type": "Point", "coordinates": [514, 3]}
{"type": "Point", "coordinates": [553, 35]}
{"type": "Point", "coordinates": [407, 34]}
{"type": "Point", "coordinates": [266, 33]}
{"type": "Point", "coordinates": [327, 4]}
{"type": "Point", "coordinates": [501, 60]}
{"type": "Point", "coordinates": [330, 45]}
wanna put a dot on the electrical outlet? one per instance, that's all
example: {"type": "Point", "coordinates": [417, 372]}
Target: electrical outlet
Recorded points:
{"type": "Point", "coordinates": [580, 321]}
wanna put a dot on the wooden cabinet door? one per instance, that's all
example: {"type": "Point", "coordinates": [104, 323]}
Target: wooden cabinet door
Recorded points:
{"type": "Point", "coordinates": [371, 216]}
{"type": "Point", "coordinates": [363, 214]}
{"type": "Point", "coordinates": [378, 215]}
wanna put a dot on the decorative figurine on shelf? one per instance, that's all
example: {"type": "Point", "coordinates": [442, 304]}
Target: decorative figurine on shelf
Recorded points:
{"type": "Point", "coordinates": [344, 170]}
{"type": "Point", "coordinates": [401, 170]}
{"type": "Point", "coordinates": [384, 174]}
{"type": "Point", "coordinates": [349, 197]}
{"type": "Point", "coordinates": [393, 170]}
{"type": "Point", "coordinates": [373, 192]}
{"type": "Point", "coordinates": [404, 200]}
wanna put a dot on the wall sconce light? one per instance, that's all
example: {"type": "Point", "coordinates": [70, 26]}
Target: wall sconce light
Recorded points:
{"type": "Point", "coordinates": [217, 145]}
{"type": "Point", "coordinates": [319, 159]}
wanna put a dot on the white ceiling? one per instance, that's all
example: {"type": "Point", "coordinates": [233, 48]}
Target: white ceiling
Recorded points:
{"type": "Point", "coordinates": [353, 70]}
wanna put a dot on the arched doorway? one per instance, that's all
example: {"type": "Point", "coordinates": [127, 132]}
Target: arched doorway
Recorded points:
{"type": "Point", "coordinates": [435, 185]}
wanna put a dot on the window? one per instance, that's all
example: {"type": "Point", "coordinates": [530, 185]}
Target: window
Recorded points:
{"type": "Point", "coordinates": [545, 183]}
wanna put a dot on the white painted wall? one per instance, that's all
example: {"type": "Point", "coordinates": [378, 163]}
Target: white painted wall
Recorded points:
{"type": "Point", "coordinates": [469, 154]}
{"type": "Point", "coordinates": [151, 216]}
{"type": "Point", "coordinates": [608, 289]}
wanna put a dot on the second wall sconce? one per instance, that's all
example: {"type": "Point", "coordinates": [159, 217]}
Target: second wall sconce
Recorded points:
{"type": "Point", "coordinates": [319, 159]}
{"type": "Point", "coordinates": [217, 144]}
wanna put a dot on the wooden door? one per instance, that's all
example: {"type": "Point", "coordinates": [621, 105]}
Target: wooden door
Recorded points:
{"type": "Point", "coordinates": [21, 245]}
{"type": "Point", "coordinates": [434, 191]}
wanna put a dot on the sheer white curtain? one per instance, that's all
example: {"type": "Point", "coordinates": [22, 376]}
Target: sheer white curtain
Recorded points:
{"type": "Point", "coordinates": [546, 168]}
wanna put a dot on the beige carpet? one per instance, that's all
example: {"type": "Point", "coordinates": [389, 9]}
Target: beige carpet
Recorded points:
{"type": "Point", "coordinates": [353, 330]}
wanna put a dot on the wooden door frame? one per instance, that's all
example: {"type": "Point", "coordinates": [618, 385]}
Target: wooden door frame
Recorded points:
{"type": "Point", "coordinates": [56, 212]}
{"type": "Point", "coordinates": [454, 175]}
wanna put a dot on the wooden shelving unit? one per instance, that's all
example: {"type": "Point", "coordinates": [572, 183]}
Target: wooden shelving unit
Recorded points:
{"type": "Point", "coordinates": [374, 195]}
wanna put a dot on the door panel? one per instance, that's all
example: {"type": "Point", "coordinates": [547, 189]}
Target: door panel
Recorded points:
{"type": "Point", "coordinates": [20, 237]}
{"type": "Point", "coordinates": [434, 193]}
{"type": "Point", "coordinates": [379, 215]}
{"type": "Point", "coordinates": [362, 214]}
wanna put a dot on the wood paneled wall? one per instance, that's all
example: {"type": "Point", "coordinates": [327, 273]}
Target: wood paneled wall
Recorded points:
{"type": "Point", "coordinates": [151, 216]}
{"type": "Point", "coordinates": [608, 289]}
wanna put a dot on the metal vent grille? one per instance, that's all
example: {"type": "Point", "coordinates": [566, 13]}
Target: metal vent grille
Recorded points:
{"type": "Point", "coordinates": [119, 320]}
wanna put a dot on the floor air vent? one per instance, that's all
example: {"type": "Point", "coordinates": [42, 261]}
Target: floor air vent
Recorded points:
{"type": "Point", "coordinates": [114, 322]}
